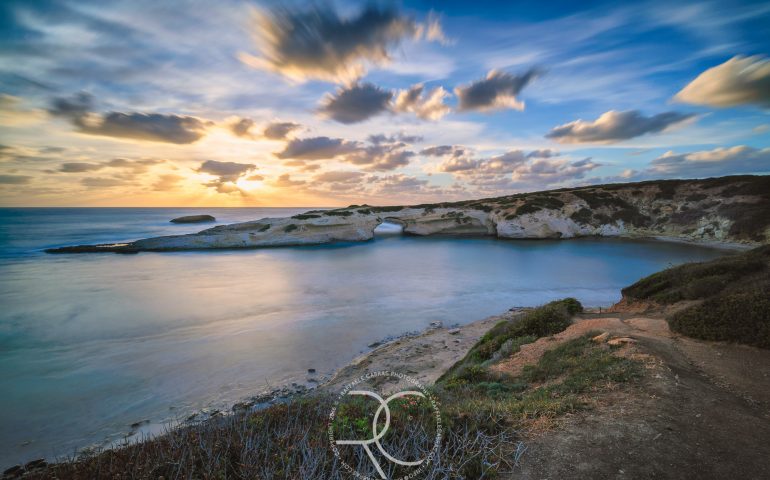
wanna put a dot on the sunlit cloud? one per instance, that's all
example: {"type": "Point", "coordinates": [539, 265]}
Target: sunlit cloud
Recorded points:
{"type": "Point", "coordinates": [227, 173]}
{"type": "Point", "coordinates": [425, 105]}
{"type": "Point", "coordinates": [738, 81]}
{"type": "Point", "coordinates": [615, 126]}
{"type": "Point", "coordinates": [498, 90]}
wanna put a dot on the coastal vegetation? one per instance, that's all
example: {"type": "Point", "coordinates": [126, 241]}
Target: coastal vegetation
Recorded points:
{"type": "Point", "coordinates": [724, 299]}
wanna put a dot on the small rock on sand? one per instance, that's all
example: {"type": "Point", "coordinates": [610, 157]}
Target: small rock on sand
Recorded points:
{"type": "Point", "coordinates": [620, 341]}
{"type": "Point", "coordinates": [601, 338]}
{"type": "Point", "coordinates": [454, 331]}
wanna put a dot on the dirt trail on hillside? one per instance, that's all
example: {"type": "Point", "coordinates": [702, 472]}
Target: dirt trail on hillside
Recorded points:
{"type": "Point", "coordinates": [702, 410]}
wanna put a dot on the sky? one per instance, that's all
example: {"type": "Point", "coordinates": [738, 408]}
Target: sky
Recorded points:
{"type": "Point", "coordinates": [246, 103]}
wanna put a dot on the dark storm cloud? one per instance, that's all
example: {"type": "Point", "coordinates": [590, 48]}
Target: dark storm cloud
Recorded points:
{"type": "Point", "coordinates": [614, 126]}
{"type": "Point", "coordinates": [155, 127]}
{"type": "Point", "coordinates": [356, 103]}
{"type": "Point", "coordinates": [497, 90]}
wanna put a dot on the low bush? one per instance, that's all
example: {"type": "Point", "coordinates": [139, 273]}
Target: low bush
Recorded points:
{"type": "Point", "coordinates": [508, 336]}
{"type": "Point", "coordinates": [742, 317]}
{"type": "Point", "coordinates": [731, 295]}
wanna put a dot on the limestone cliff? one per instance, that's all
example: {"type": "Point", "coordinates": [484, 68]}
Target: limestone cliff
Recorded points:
{"type": "Point", "coordinates": [719, 210]}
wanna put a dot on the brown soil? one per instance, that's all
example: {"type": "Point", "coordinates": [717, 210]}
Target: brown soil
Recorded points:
{"type": "Point", "coordinates": [702, 410]}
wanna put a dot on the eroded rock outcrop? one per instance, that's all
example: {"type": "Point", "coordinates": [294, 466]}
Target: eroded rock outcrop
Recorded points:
{"type": "Point", "coordinates": [720, 210]}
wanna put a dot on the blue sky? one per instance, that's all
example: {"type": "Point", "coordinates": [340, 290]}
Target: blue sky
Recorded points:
{"type": "Point", "coordinates": [248, 103]}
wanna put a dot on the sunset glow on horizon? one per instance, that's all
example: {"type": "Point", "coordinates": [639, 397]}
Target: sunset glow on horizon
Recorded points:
{"type": "Point", "coordinates": [240, 103]}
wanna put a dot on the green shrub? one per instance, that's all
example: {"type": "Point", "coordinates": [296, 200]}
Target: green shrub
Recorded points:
{"type": "Point", "coordinates": [337, 213]}
{"type": "Point", "coordinates": [738, 317]}
{"type": "Point", "coordinates": [583, 215]}
{"type": "Point", "coordinates": [510, 335]}
{"type": "Point", "coordinates": [305, 216]}
{"type": "Point", "coordinates": [290, 228]}
{"type": "Point", "coordinates": [697, 281]}
{"type": "Point", "coordinates": [733, 304]}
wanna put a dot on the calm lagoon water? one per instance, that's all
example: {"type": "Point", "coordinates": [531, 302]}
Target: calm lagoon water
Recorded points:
{"type": "Point", "coordinates": [90, 344]}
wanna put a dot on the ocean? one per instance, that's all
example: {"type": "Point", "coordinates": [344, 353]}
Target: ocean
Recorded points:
{"type": "Point", "coordinates": [91, 344]}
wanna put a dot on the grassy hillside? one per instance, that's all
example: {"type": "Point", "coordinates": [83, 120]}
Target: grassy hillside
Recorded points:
{"type": "Point", "coordinates": [731, 295]}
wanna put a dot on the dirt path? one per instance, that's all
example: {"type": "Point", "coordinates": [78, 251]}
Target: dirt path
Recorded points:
{"type": "Point", "coordinates": [702, 410]}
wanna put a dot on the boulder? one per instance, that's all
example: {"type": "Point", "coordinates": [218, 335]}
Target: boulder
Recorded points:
{"type": "Point", "coordinates": [194, 219]}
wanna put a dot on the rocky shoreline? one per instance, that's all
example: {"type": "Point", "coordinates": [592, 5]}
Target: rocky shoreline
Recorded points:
{"type": "Point", "coordinates": [727, 210]}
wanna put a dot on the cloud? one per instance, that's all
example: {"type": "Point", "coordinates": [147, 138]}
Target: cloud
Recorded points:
{"type": "Point", "coordinates": [241, 127]}
{"type": "Point", "coordinates": [167, 182]}
{"type": "Point", "coordinates": [444, 150]}
{"type": "Point", "coordinates": [227, 174]}
{"type": "Point", "coordinates": [716, 162]}
{"type": "Point", "coordinates": [513, 169]}
{"type": "Point", "coordinates": [399, 137]}
{"type": "Point", "coordinates": [244, 128]}
{"type": "Point", "coordinates": [154, 127]}
{"type": "Point", "coordinates": [338, 177]}
{"type": "Point", "coordinates": [399, 184]}
{"type": "Point", "coordinates": [543, 153]}
{"type": "Point", "coordinates": [79, 167]}
{"type": "Point", "coordinates": [356, 103]}
{"type": "Point", "coordinates": [500, 164]}
{"type": "Point", "coordinates": [302, 165]}
{"type": "Point", "coordinates": [738, 81]}
{"type": "Point", "coordinates": [498, 90]}
{"type": "Point", "coordinates": [427, 106]}
{"type": "Point", "coordinates": [316, 148]}
{"type": "Point", "coordinates": [317, 43]}
{"type": "Point", "coordinates": [614, 126]}
{"type": "Point", "coordinates": [226, 171]}
{"type": "Point", "coordinates": [14, 179]}
{"type": "Point", "coordinates": [279, 130]}
{"type": "Point", "coordinates": [285, 180]}
{"type": "Point", "coordinates": [135, 166]}
{"type": "Point", "coordinates": [102, 182]}
{"type": "Point", "coordinates": [381, 156]}
{"type": "Point", "coordinates": [552, 171]}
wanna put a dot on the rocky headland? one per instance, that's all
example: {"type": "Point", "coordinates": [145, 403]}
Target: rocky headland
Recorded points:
{"type": "Point", "coordinates": [727, 210]}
